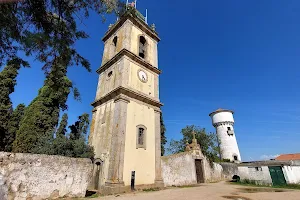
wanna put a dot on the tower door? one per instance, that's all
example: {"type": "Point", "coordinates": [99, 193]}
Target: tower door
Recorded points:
{"type": "Point", "coordinates": [277, 175]}
{"type": "Point", "coordinates": [199, 171]}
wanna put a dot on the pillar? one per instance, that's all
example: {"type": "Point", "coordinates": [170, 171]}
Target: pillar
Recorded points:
{"type": "Point", "coordinates": [117, 147]}
{"type": "Point", "coordinates": [158, 177]}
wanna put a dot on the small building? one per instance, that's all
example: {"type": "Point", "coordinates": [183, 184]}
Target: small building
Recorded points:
{"type": "Point", "coordinates": [272, 172]}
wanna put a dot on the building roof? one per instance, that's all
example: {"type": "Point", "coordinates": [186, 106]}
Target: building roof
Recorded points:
{"type": "Point", "coordinates": [220, 110]}
{"type": "Point", "coordinates": [295, 156]}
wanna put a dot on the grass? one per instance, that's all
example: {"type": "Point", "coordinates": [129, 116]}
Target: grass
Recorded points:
{"type": "Point", "coordinates": [252, 183]}
{"type": "Point", "coordinates": [186, 186]}
{"type": "Point", "coordinates": [151, 190]}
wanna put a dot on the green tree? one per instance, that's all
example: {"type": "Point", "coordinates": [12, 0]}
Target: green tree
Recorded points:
{"type": "Point", "coordinates": [41, 116]}
{"type": "Point", "coordinates": [62, 129]}
{"type": "Point", "coordinates": [162, 135]}
{"type": "Point", "coordinates": [79, 128]}
{"type": "Point", "coordinates": [13, 126]}
{"type": "Point", "coordinates": [208, 142]}
{"type": "Point", "coordinates": [75, 145]}
{"type": "Point", "coordinates": [7, 84]}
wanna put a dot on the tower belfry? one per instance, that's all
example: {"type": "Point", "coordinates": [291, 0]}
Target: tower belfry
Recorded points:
{"type": "Point", "coordinates": [125, 128]}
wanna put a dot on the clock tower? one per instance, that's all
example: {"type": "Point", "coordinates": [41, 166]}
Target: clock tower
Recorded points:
{"type": "Point", "coordinates": [125, 128]}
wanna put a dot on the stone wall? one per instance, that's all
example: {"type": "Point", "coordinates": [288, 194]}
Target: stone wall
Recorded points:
{"type": "Point", "coordinates": [34, 177]}
{"type": "Point", "coordinates": [229, 170]}
{"type": "Point", "coordinates": [179, 169]}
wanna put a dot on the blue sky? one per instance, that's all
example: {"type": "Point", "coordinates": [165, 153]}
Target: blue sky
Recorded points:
{"type": "Point", "coordinates": [239, 55]}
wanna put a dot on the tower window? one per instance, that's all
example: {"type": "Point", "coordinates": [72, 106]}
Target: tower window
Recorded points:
{"type": "Point", "coordinates": [142, 47]}
{"type": "Point", "coordinates": [141, 137]}
{"type": "Point", "coordinates": [115, 41]}
{"type": "Point", "coordinates": [235, 158]}
{"type": "Point", "coordinates": [228, 128]}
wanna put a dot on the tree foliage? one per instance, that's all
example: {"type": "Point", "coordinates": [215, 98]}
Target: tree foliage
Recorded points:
{"type": "Point", "coordinates": [42, 115]}
{"type": "Point", "coordinates": [162, 135]}
{"type": "Point", "coordinates": [74, 145]}
{"type": "Point", "coordinates": [7, 84]}
{"type": "Point", "coordinates": [46, 28]}
{"type": "Point", "coordinates": [62, 129]}
{"type": "Point", "coordinates": [208, 142]}
{"type": "Point", "coordinates": [13, 126]}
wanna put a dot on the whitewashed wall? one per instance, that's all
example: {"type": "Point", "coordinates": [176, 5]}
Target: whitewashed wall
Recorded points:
{"type": "Point", "coordinates": [292, 174]}
{"type": "Point", "coordinates": [31, 176]}
{"type": "Point", "coordinates": [261, 176]}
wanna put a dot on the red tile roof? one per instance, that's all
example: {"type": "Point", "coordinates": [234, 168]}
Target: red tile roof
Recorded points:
{"type": "Point", "coordinates": [295, 156]}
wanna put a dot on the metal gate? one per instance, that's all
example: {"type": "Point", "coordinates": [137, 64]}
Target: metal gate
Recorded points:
{"type": "Point", "coordinates": [277, 175]}
{"type": "Point", "coordinates": [199, 171]}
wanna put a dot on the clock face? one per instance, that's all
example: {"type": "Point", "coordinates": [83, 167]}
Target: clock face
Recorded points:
{"type": "Point", "coordinates": [142, 76]}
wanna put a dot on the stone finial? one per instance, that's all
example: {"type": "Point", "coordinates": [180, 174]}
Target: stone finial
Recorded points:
{"type": "Point", "coordinates": [187, 146]}
{"type": "Point", "coordinates": [153, 27]}
{"type": "Point", "coordinates": [110, 25]}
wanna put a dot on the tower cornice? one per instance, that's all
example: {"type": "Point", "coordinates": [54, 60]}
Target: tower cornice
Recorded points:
{"type": "Point", "coordinates": [132, 56]}
{"type": "Point", "coordinates": [136, 21]}
{"type": "Point", "coordinates": [223, 123]}
{"type": "Point", "coordinates": [122, 91]}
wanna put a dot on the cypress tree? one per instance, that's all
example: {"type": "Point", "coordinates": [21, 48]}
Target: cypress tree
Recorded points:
{"type": "Point", "coordinates": [13, 126]}
{"type": "Point", "coordinates": [37, 128]}
{"type": "Point", "coordinates": [162, 135]}
{"type": "Point", "coordinates": [7, 84]}
{"type": "Point", "coordinates": [62, 129]}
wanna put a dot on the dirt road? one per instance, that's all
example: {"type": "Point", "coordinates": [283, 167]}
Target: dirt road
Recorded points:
{"type": "Point", "coordinates": [212, 191]}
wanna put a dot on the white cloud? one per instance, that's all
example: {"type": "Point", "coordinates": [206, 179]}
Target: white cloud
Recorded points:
{"type": "Point", "coordinates": [268, 157]}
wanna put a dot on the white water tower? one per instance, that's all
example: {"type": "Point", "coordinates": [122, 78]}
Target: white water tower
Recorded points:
{"type": "Point", "coordinates": [223, 121]}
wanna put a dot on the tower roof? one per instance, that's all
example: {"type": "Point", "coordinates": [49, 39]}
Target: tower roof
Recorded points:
{"type": "Point", "coordinates": [136, 18]}
{"type": "Point", "coordinates": [220, 110]}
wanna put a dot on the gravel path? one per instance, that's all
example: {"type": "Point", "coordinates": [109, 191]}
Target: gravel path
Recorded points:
{"type": "Point", "coordinates": [212, 191]}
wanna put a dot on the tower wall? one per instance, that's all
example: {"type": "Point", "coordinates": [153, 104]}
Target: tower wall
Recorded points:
{"type": "Point", "coordinates": [140, 160]}
{"type": "Point", "coordinates": [223, 122]}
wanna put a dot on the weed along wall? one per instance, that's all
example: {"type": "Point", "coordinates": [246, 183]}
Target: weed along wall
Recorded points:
{"type": "Point", "coordinates": [31, 176]}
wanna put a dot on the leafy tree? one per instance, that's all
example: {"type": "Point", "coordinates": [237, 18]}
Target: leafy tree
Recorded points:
{"type": "Point", "coordinates": [162, 135]}
{"type": "Point", "coordinates": [7, 84]}
{"type": "Point", "coordinates": [75, 145]}
{"type": "Point", "coordinates": [79, 128]}
{"type": "Point", "coordinates": [13, 126]}
{"type": "Point", "coordinates": [208, 142]}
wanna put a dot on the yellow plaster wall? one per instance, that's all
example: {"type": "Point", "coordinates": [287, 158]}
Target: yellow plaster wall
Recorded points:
{"type": "Point", "coordinates": [135, 83]}
{"type": "Point", "coordinates": [139, 160]}
{"type": "Point", "coordinates": [105, 84]}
